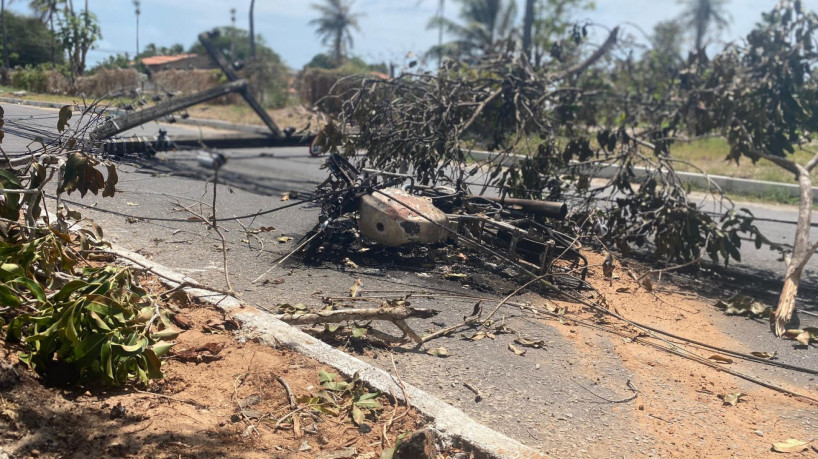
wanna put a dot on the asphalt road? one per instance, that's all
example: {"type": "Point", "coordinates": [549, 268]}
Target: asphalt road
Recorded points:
{"type": "Point", "coordinates": [536, 399]}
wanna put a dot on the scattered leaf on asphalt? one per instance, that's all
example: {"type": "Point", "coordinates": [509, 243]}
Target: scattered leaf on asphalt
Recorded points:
{"type": "Point", "coordinates": [477, 336]}
{"type": "Point", "coordinates": [287, 308]}
{"type": "Point", "coordinates": [516, 350]}
{"type": "Point", "coordinates": [528, 342]}
{"type": "Point", "coordinates": [803, 338]}
{"type": "Point", "coordinates": [438, 352]}
{"type": "Point", "coordinates": [790, 445]}
{"type": "Point", "coordinates": [350, 264]}
{"type": "Point", "coordinates": [764, 355]}
{"type": "Point", "coordinates": [742, 305]}
{"type": "Point", "coordinates": [720, 358]}
{"type": "Point", "coordinates": [356, 288]}
{"type": "Point", "coordinates": [731, 399]}
{"type": "Point", "coordinates": [284, 239]}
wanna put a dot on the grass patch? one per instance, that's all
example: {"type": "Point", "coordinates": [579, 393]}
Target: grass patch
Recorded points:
{"type": "Point", "coordinates": [709, 154]}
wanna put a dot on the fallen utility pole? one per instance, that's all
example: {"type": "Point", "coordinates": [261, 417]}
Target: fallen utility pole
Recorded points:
{"type": "Point", "coordinates": [131, 120]}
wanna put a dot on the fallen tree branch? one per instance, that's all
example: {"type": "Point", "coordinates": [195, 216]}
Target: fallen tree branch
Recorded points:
{"type": "Point", "coordinates": [289, 391]}
{"type": "Point", "coordinates": [396, 315]}
{"type": "Point", "coordinates": [467, 322]}
{"type": "Point", "coordinates": [343, 315]}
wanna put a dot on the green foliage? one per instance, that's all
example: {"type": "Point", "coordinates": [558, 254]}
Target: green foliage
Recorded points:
{"type": "Point", "coordinates": [234, 44]}
{"type": "Point", "coordinates": [152, 50]}
{"type": "Point", "coordinates": [78, 32]}
{"type": "Point", "coordinates": [338, 397]}
{"type": "Point", "coordinates": [351, 65]}
{"type": "Point", "coordinates": [117, 61]}
{"type": "Point", "coordinates": [75, 323]}
{"type": "Point", "coordinates": [29, 41]}
{"type": "Point", "coordinates": [763, 95]}
{"type": "Point", "coordinates": [96, 327]}
{"type": "Point", "coordinates": [321, 61]}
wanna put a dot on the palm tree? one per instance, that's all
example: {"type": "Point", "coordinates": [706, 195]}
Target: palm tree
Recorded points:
{"type": "Point", "coordinates": [137, 11]}
{"type": "Point", "coordinates": [485, 22]}
{"type": "Point", "coordinates": [5, 41]}
{"type": "Point", "coordinates": [252, 31]}
{"type": "Point", "coordinates": [701, 15]}
{"type": "Point", "coordinates": [334, 26]}
{"type": "Point", "coordinates": [47, 11]}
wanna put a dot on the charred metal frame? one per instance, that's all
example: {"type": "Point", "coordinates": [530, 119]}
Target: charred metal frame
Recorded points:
{"type": "Point", "coordinates": [517, 227]}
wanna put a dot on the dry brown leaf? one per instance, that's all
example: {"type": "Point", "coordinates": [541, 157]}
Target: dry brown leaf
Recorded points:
{"type": "Point", "coordinates": [803, 338]}
{"type": "Point", "coordinates": [477, 336]}
{"type": "Point", "coordinates": [731, 399]}
{"type": "Point", "coordinates": [720, 358]}
{"type": "Point", "coordinates": [764, 355]}
{"type": "Point", "coordinates": [356, 288]}
{"type": "Point", "coordinates": [790, 445]}
{"type": "Point", "coordinates": [516, 350]}
{"type": "Point", "coordinates": [438, 352]}
{"type": "Point", "coordinates": [350, 264]}
{"type": "Point", "coordinates": [528, 342]}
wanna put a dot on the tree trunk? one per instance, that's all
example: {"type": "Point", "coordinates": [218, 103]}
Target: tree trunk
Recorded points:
{"type": "Point", "coordinates": [528, 25]}
{"type": "Point", "coordinates": [53, 40]}
{"type": "Point", "coordinates": [252, 31]}
{"type": "Point", "coordinates": [801, 253]}
{"type": "Point", "coordinates": [5, 42]}
{"type": "Point", "coordinates": [339, 37]}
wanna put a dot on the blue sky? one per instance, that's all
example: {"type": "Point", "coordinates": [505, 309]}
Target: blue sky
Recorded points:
{"type": "Point", "coordinates": [390, 29]}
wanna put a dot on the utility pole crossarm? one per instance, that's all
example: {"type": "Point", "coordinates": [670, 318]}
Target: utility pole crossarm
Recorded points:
{"type": "Point", "coordinates": [231, 74]}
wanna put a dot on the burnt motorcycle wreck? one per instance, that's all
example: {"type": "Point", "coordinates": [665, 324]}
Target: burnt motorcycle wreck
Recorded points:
{"type": "Point", "coordinates": [408, 222]}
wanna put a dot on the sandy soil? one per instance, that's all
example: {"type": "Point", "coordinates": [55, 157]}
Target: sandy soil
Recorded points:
{"type": "Point", "coordinates": [678, 402]}
{"type": "Point", "coordinates": [219, 398]}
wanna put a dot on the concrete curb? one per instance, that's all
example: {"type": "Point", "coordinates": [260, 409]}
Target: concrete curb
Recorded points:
{"type": "Point", "coordinates": [450, 422]}
{"type": "Point", "coordinates": [728, 184]}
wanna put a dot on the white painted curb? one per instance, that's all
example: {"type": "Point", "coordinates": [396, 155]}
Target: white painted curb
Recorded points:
{"type": "Point", "coordinates": [450, 422]}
